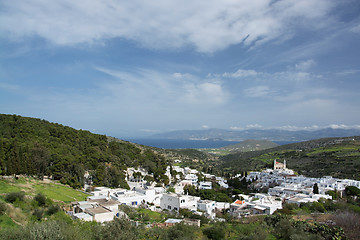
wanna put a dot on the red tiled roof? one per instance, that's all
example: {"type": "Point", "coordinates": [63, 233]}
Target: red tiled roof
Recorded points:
{"type": "Point", "coordinates": [239, 202]}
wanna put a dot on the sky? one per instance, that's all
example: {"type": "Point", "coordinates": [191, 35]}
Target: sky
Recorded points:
{"type": "Point", "coordinates": [137, 68]}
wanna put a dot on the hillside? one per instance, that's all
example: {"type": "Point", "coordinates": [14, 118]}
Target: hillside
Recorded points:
{"type": "Point", "coordinates": [338, 157]}
{"type": "Point", "coordinates": [250, 145]}
{"type": "Point", "coordinates": [37, 147]}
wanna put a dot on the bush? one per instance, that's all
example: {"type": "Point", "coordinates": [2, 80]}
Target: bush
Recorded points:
{"type": "Point", "coordinates": [13, 196]}
{"type": "Point", "coordinates": [215, 232]}
{"type": "Point", "coordinates": [117, 229]}
{"type": "Point", "coordinates": [38, 214]}
{"type": "Point", "coordinates": [41, 199]}
{"type": "Point", "coordinates": [2, 208]}
{"type": "Point", "coordinates": [318, 207]}
{"type": "Point", "coordinates": [180, 231]}
{"type": "Point", "coordinates": [53, 209]}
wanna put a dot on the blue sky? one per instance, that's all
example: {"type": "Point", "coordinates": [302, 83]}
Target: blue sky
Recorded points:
{"type": "Point", "coordinates": [135, 68]}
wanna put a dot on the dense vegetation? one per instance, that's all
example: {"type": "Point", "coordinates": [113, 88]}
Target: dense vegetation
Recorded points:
{"type": "Point", "coordinates": [337, 157]}
{"type": "Point", "coordinates": [36, 147]}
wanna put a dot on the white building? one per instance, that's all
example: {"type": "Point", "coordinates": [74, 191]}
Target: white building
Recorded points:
{"type": "Point", "coordinates": [208, 207]}
{"type": "Point", "coordinates": [192, 177]}
{"type": "Point", "coordinates": [133, 197]}
{"type": "Point", "coordinates": [205, 185]}
{"type": "Point", "coordinates": [222, 206]}
{"type": "Point", "coordinates": [98, 209]}
{"type": "Point", "coordinates": [174, 202]}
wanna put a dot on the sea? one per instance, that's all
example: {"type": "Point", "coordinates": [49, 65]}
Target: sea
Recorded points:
{"type": "Point", "coordinates": [181, 144]}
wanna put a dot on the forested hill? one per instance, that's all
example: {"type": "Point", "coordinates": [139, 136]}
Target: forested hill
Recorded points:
{"type": "Point", "coordinates": [37, 147]}
{"type": "Point", "coordinates": [338, 157]}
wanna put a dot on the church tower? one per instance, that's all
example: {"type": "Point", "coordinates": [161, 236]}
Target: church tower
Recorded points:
{"type": "Point", "coordinates": [274, 164]}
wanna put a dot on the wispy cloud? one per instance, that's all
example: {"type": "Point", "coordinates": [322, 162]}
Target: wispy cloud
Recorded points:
{"type": "Point", "coordinates": [258, 91]}
{"type": "Point", "coordinates": [241, 73]}
{"type": "Point", "coordinates": [208, 26]}
{"type": "Point", "coordinates": [305, 65]}
{"type": "Point", "coordinates": [356, 29]}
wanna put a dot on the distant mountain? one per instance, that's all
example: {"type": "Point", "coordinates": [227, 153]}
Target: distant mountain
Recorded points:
{"type": "Point", "coordinates": [251, 145]}
{"type": "Point", "coordinates": [259, 134]}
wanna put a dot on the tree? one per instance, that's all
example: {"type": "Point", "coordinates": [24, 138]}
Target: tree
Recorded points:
{"type": "Point", "coordinates": [316, 189]}
{"type": "Point", "coordinates": [171, 189]}
{"type": "Point", "coordinates": [352, 191]}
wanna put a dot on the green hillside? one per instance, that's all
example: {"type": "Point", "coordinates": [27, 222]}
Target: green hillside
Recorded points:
{"type": "Point", "coordinates": [338, 157]}
{"type": "Point", "coordinates": [37, 147]}
{"type": "Point", "coordinates": [251, 145]}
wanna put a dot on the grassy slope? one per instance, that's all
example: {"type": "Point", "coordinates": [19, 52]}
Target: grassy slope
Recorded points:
{"type": "Point", "coordinates": [20, 212]}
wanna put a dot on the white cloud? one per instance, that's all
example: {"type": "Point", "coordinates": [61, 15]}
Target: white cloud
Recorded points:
{"type": "Point", "coordinates": [237, 128]}
{"type": "Point", "coordinates": [356, 29]}
{"type": "Point", "coordinates": [257, 91]}
{"type": "Point", "coordinates": [205, 93]}
{"type": "Point", "coordinates": [205, 127]}
{"type": "Point", "coordinates": [347, 72]}
{"type": "Point", "coordinates": [297, 128]}
{"type": "Point", "coordinates": [305, 65]}
{"type": "Point", "coordinates": [343, 126]}
{"type": "Point", "coordinates": [254, 126]}
{"type": "Point", "coordinates": [165, 89]}
{"type": "Point", "coordinates": [207, 25]}
{"type": "Point", "coordinates": [241, 73]}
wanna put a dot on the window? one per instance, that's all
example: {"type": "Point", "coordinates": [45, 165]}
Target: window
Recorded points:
{"type": "Point", "coordinates": [175, 209]}
{"type": "Point", "coordinates": [169, 207]}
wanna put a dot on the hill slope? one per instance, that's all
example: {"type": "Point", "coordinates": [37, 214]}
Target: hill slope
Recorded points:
{"type": "Point", "coordinates": [37, 147]}
{"type": "Point", "coordinates": [250, 145]}
{"type": "Point", "coordinates": [338, 157]}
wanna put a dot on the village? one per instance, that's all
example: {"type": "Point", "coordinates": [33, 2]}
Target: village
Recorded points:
{"type": "Point", "coordinates": [283, 185]}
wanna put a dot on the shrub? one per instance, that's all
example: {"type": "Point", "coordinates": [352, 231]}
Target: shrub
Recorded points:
{"type": "Point", "coordinates": [180, 231]}
{"type": "Point", "coordinates": [52, 210]}
{"type": "Point", "coordinates": [2, 208]}
{"type": "Point", "coordinates": [41, 199]}
{"type": "Point", "coordinates": [13, 196]}
{"type": "Point", "coordinates": [215, 232]}
{"type": "Point", "coordinates": [38, 214]}
{"type": "Point", "coordinates": [117, 229]}
{"type": "Point", "coordinates": [318, 207]}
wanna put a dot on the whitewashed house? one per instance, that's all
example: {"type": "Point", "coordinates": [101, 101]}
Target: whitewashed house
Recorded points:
{"type": "Point", "coordinates": [174, 202]}
{"type": "Point", "coordinates": [205, 185]}
{"type": "Point", "coordinates": [208, 207]}
{"type": "Point", "coordinates": [192, 177]}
